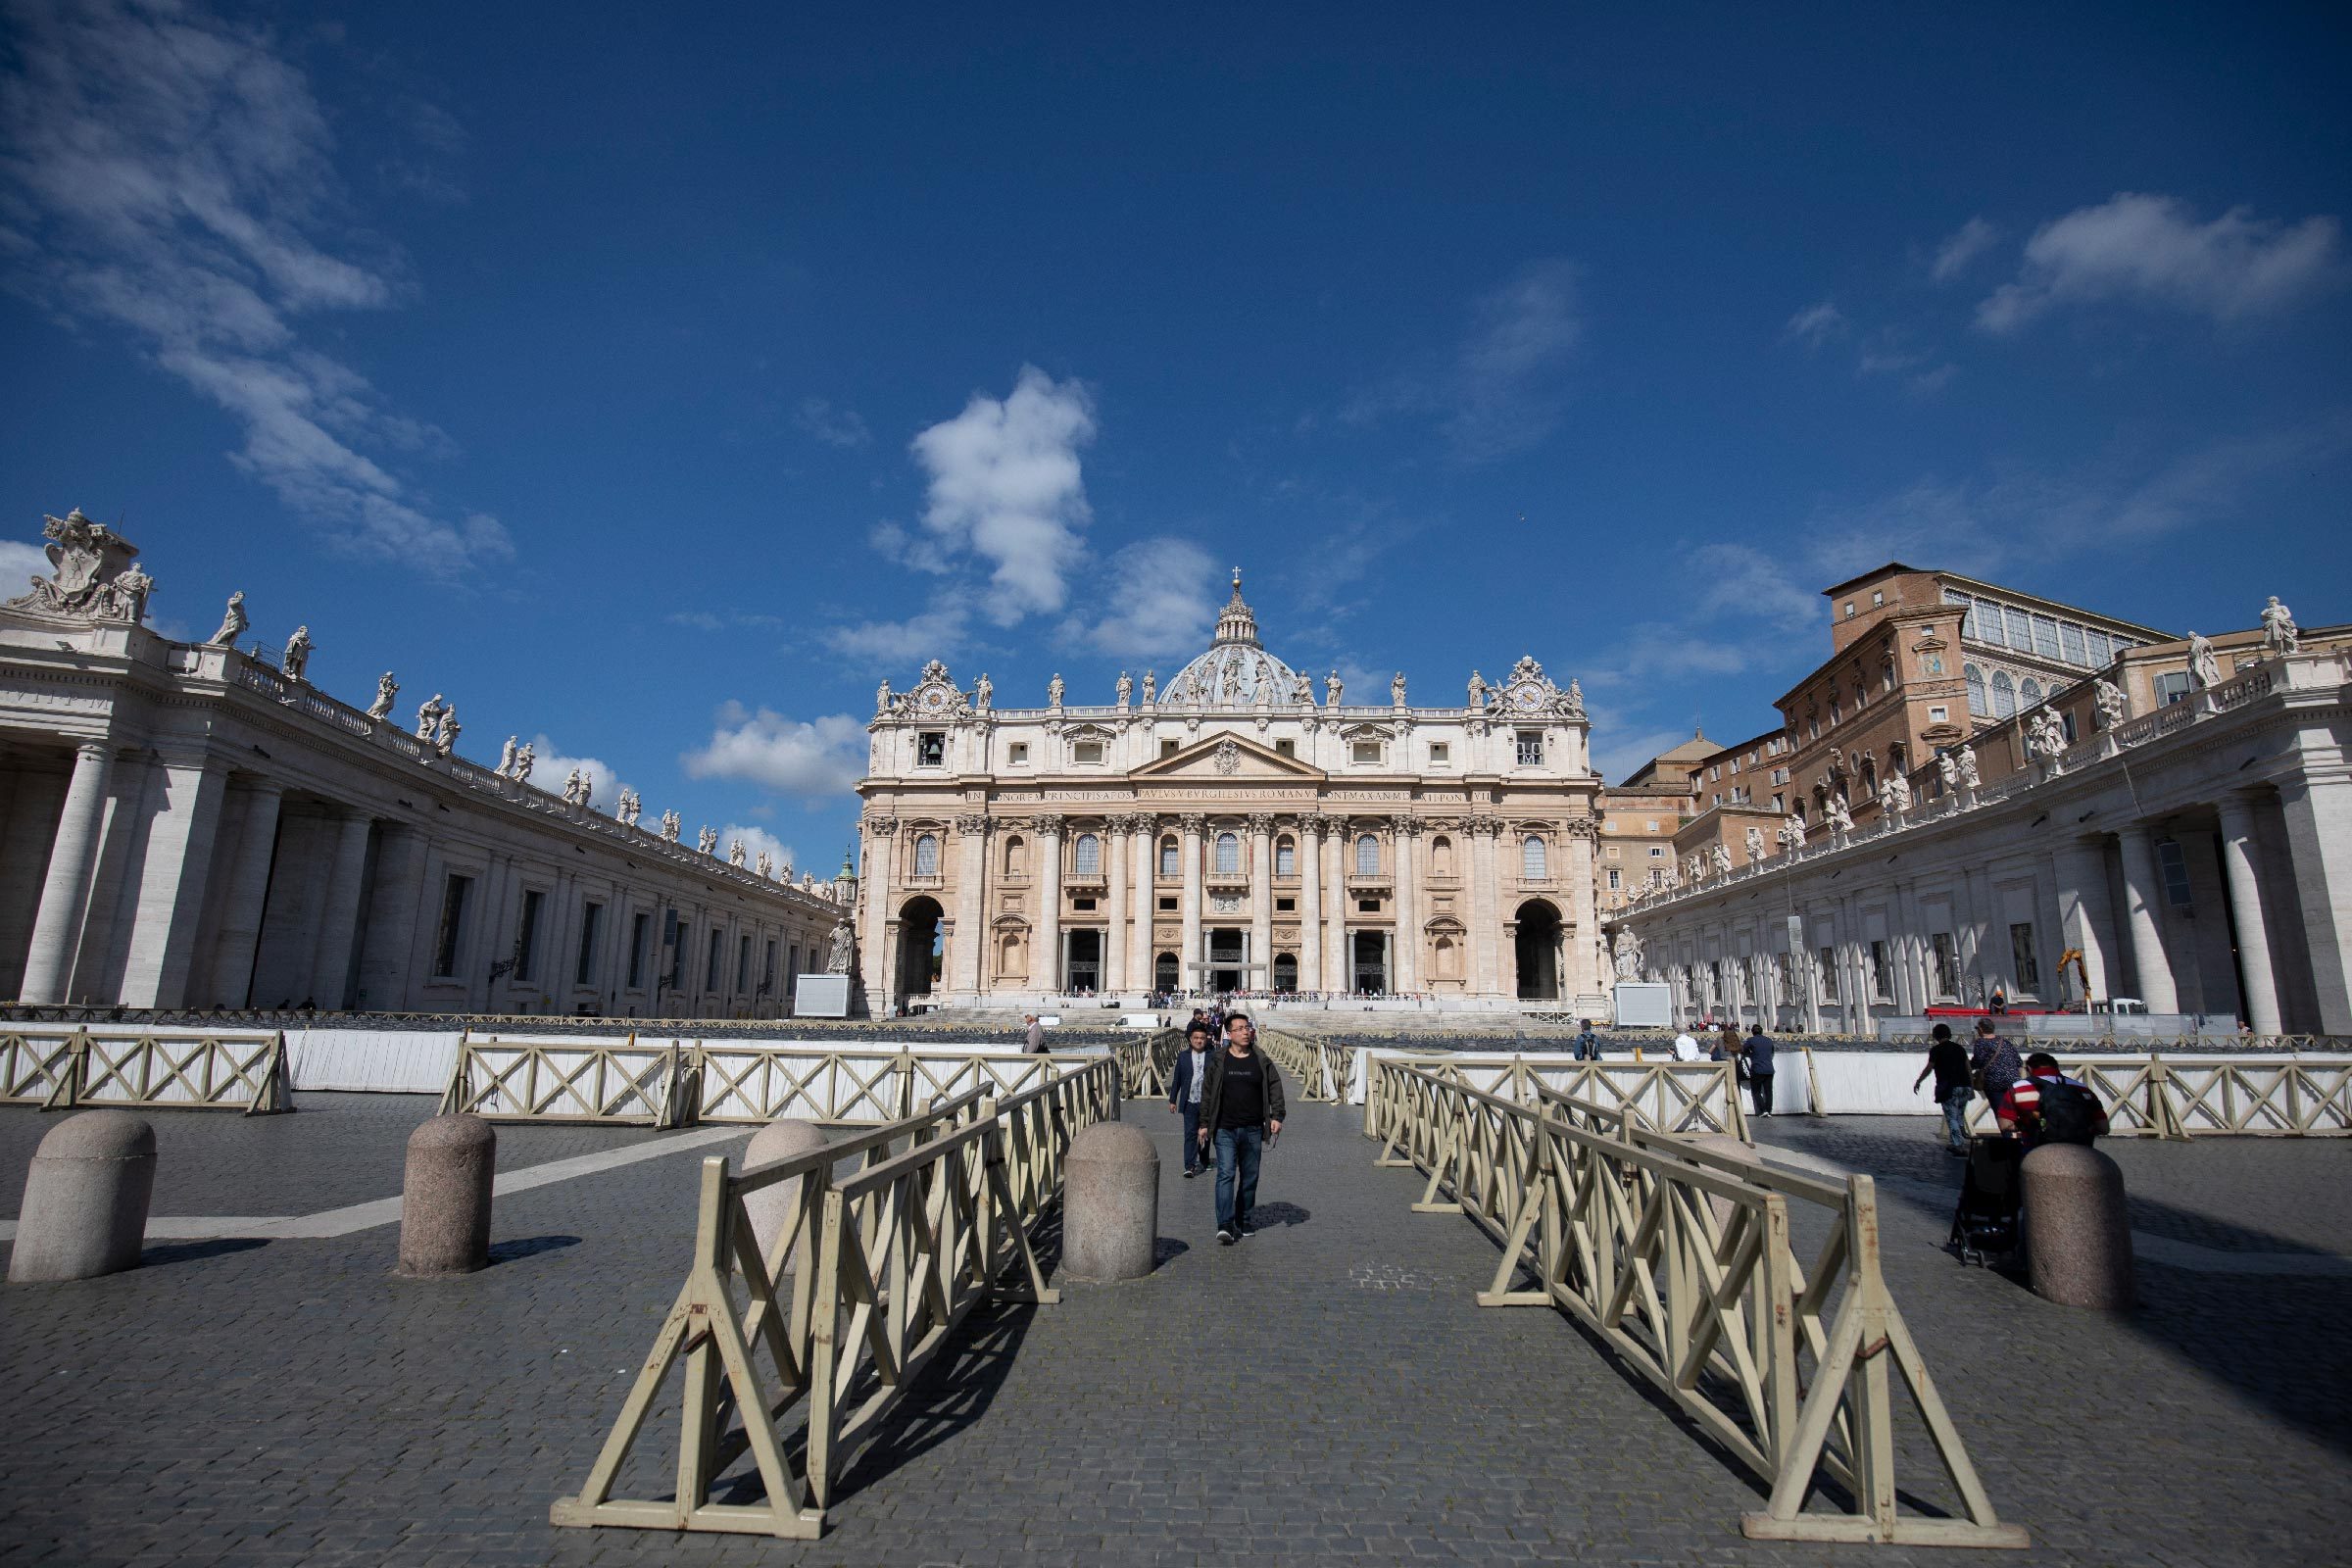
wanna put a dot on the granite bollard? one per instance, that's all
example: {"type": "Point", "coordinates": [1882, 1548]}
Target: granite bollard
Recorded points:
{"type": "Point", "coordinates": [2078, 1231]}
{"type": "Point", "coordinates": [445, 1197]}
{"type": "Point", "coordinates": [1111, 1206]}
{"type": "Point", "coordinates": [771, 1208]}
{"type": "Point", "coordinates": [84, 1212]}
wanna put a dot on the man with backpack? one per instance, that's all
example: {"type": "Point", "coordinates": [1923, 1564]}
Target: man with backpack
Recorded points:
{"type": "Point", "coordinates": [1588, 1044]}
{"type": "Point", "coordinates": [2045, 1106]}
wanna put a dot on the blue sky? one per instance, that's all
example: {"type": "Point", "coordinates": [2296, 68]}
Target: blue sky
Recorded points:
{"type": "Point", "coordinates": [656, 386]}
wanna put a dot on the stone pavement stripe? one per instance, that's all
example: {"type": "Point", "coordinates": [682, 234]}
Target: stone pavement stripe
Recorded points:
{"type": "Point", "coordinates": [386, 1211]}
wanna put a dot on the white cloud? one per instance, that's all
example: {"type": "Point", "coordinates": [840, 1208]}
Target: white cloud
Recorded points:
{"type": "Point", "coordinates": [1815, 324]}
{"type": "Point", "coordinates": [20, 563]}
{"type": "Point", "coordinates": [171, 175]}
{"type": "Point", "coordinates": [1744, 586]}
{"type": "Point", "coordinates": [1498, 392]}
{"type": "Point", "coordinates": [816, 761]}
{"type": "Point", "coordinates": [1006, 487]}
{"type": "Point", "coordinates": [550, 767]}
{"type": "Point", "coordinates": [932, 633]}
{"type": "Point", "coordinates": [756, 839]}
{"type": "Point", "coordinates": [2150, 249]}
{"type": "Point", "coordinates": [835, 427]}
{"type": "Point", "coordinates": [1962, 246]}
{"type": "Point", "coordinates": [1159, 597]}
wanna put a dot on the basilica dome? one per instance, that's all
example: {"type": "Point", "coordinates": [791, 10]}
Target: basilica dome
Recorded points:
{"type": "Point", "coordinates": [1234, 669]}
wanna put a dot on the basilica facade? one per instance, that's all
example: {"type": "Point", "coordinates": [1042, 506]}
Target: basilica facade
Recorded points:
{"type": "Point", "coordinates": [1232, 830]}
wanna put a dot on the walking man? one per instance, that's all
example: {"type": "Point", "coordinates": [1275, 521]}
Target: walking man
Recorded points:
{"type": "Point", "coordinates": [1588, 1044]}
{"type": "Point", "coordinates": [1184, 1090]}
{"type": "Point", "coordinates": [1756, 1057]}
{"type": "Point", "coordinates": [1241, 1106]}
{"type": "Point", "coordinates": [1947, 1059]}
{"type": "Point", "coordinates": [1034, 1042]}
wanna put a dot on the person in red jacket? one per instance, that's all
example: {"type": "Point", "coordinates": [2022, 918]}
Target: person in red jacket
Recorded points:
{"type": "Point", "coordinates": [2045, 1106]}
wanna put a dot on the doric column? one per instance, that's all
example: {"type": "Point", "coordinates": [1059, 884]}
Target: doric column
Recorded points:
{"type": "Point", "coordinates": [1115, 925]}
{"type": "Point", "coordinates": [66, 890]}
{"type": "Point", "coordinates": [1311, 904]}
{"type": "Point", "coordinates": [873, 960]}
{"type": "Point", "coordinates": [971, 905]}
{"type": "Point", "coordinates": [2085, 913]}
{"type": "Point", "coordinates": [172, 884]}
{"type": "Point", "coordinates": [1583, 977]}
{"type": "Point", "coordinates": [1339, 974]}
{"type": "Point", "coordinates": [1485, 908]}
{"type": "Point", "coordinates": [2142, 891]}
{"type": "Point", "coordinates": [1404, 964]}
{"type": "Point", "coordinates": [1261, 903]}
{"type": "Point", "coordinates": [390, 945]}
{"type": "Point", "coordinates": [2245, 908]}
{"type": "Point", "coordinates": [1189, 975]}
{"type": "Point", "coordinates": [1049, 901]}
{"type": "Point", "coordinates": [241, 907]}
{"type": "Point", "coordinates": [2316, 806]}
{"type": "Point", "coordinates": [339, 916]}
{"type": "Point", "coordinates": [1143, 866]}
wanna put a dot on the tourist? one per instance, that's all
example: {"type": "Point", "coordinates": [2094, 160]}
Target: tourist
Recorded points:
{"type": "Point", "coordinates": [1184, 1090]}
{"type": "Point", "coordinates": [1993, 1067]}
{"type": "Point", "coordinates": [1756, 1057]}
{"type": "Point", "coordinates": [1588, 1044]}
{"type": "Point", "coordinates": [2045, 1106]}
{"type": "Point", "coordinates": [1240, 1108]}
{"type": "Point", "coordinates": [1947, 1059]}
{"type": "Point", "coordinates": [1686, 1047]}
{"type": "Point", "coordinates": [1731, 1049]}
{"type": "Point", "coordinates": [1035, 1045]}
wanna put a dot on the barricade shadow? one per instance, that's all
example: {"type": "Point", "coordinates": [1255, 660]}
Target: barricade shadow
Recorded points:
{"type": "Point", "coordinates": [2199, 1318]}
{"type": "Point", "coordinates": [161, 1254]}
{"type": "Point", "coordinates": [523, 1246]}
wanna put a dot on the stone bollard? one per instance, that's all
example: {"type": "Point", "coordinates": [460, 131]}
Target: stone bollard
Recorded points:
{"type": "Point", "coordinates": [771, 1208]}
{"type": "Point", "coordinates": [2077, 1232]}
{"type": "Point", "coordinates": [445, 1197]}
{"type": "Point", "coordinates": [85, 1199]}
{"type": "Point", "coordinates": [1111, 1205]}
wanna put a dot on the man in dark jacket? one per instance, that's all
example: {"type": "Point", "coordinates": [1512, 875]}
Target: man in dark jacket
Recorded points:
{"type": "Point", "coordinates": [1241, 1106]}
{"type": "Point", "coordinates": [1756, 1057]}
{"type": "Point", "coordinates": [1185, 1087]}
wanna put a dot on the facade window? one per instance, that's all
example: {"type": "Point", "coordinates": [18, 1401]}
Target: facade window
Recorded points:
{"type": "Point", "coordinates": [1018, 752]}
{"type": "Point", "coordinates": [1229, 855]}
{"type": "Point", "coordinates": [1168, 748]}
{"type": "Point", "coordinates": [1016, 855]}
{"type": "Point", "coordinates": [1850, 609]}
{"type": "Point", "coordinates": [1881, 982]}
{"type": "Point", "coordinates": [711, 964]}
{"type": "Point", "coordinates": [641, 927]}
{"type": "Point", "coordinates": [2004, 695]}
{"type": "Point", "coordinates": [1968, 619]}
{"type": "Point", "coordinates": [1829, 974]}
{"type": "Point", "coordinates": [1531, 747]}
{"type": "Point", "coordinates": [592, 920]}
{"type": "Point", "coordinates": [926, 855]}
{"type": "Point", "coordinates": [2021, 954]}
{"type": "Point", "coordinates": [2172, 686]}
{"type": "Point", "coordinates": [1878, 599]}
{"type": "Point", "coordinates": [1616, 878]}
{"type": "Point", "coordinates": [526, 935]}
{"type": "Point", "coordinates": [1168, 904]}
{"type": "Point", "coordinates": [1367, 855]}
{"type": "Point", "coordinates": [2175, 867]}
{"type": "Point", "coordinates": [1087, 855]}
{"type": "Point", "coordinates": [1988, 623]}
{"type": "Point", "coordinates": [1087, 752]}
{"type": "Point", "coordinates": [454, 894]}
{"type": "Point", "coordinates": [1286, 858]}
{"type": "Point", "coordinates": [1532, 864]}
{"type": "Point", "coordinates": [1649, 825]}
{"type": "Point", "coordinates": [2101, 649]}
{"type": "Point", "coordinates": [2070, 643]}
{"type": "Point", "coordinates": [1940, 716]}
{"type": "Point", "coordinates": [2045, 636]}
{"type": "Point", "coordinates": [2019, 629]}
{"type": "Point", "coordinates": [2029, 693]}
{"type": "Point", "coordinates": [1978, 704]}
{"type": "Point", "coordinates": [1366, 752]}
{"type": "Point", "coordinates": [1440, 753]}
{"type": "Point", "coordinates": [1286, 747]}
{"type": "Point", "coordinates": [931, 749]}
{"type": "Point", "coordinates": [1168, 859]}
{"type": "Point", "coordinates": [1657, 876]}
{"type": "Point", "coordinates": [1946, 964]}
{"type": "Point", "coordinates": [1657, 852]}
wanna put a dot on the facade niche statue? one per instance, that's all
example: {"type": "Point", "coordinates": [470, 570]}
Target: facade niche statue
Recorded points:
{"type": "Point", "coordinates": [844, 951]}
{"type": "Point", "coordinates": [298, 654]}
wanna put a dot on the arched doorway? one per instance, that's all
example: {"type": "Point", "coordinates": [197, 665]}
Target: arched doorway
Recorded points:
{"type": "Point", "coordinates": [1164, 972]}
{"type": "Point", "coordinates": [1286, 972]}
{"type": "Point", "coordinates": [1539, 952]}
{"type": "Point", "coordinates": [918, 947]}
{"type": "Point", "coordinates": [1369, 951]}
{"type": "Point", "coordinates": [1084, 971]}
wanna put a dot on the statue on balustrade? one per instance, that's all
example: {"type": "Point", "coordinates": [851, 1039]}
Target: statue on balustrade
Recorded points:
{"type": "Point", "coordinates": [2280, 633]}
{"type": "Point", "coordinates": [386, 691]}
{"type": "Point", "coordinates": [127, 595]}
{"type": "Point", "coordinates": [1396, 689]}
{"type": "Point", "coordinates": [1478, 692]}
{"type": "Point", "coordinates": [1053, 691]}
{"type": "Point", "coordinates": [524, 761]}
{"type": "Point", "coordinates": [2204, 666]}
{"type": "Point", "coordinates": [762, 866]}
{"type": "Point", "coordinates": [984, 692]}
{"type": "Point", "coordinates": [735, 852]}
{"type": "Point", "coordinates": [629, 807]}
{"type": "Point", "coordinates": [882, 698]}
{"type": "Point", "coordinates": [2112, 704]}
{"type": "Point", "coordinates": [1840, 816]}
{"type": "Point", "coordinates": [1719, 857]}
{"type": "Point", "coordinates": [1948, 768]}
{"type": "Point", "coordinates": [298, 654]}
{"type": "Point", "coordinates": [671, 824]}
{"type": "Point", "coordinates": [707, 841]}
{"type": "Point", "coordinates": [1969, 777]}
{"type": "Point", "coordinates": [445, 738]}
{"type": "Point", "coordinates": [1126, 688]}
{"type": "Point", "coordinates": [1898, 793]}
{"type": "Point", "coordinates": [505, 758]}
{"type": "Point", "coordinates": [428, 716]}
{"type": "Point", "coordinates": [91, 575]}
{"type": "Point", "coordinates": [571, 787]}
{"type": "Point", "coordinates": [1793, 833]}
{"type": "Point", "coordinates": [1333, 689]}
{"type": "Point", "coordinates": [1151, 687]}
{"type": "Point", "coordinates": [1754, 844]}
{"type": "Point", "coordinates": [232, 623]}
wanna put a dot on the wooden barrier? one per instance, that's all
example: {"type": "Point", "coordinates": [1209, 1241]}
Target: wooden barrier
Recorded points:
{"type": "Point", "coordinates": [865, 1282]}
{"type": "Point", "coordinates": [1303, 1060]}
{"type": "Point", "coordinates": [2184, 1097]}
{"type": "Point", "coordinates": [1674, 1097]}
{"type": "Point", "coordinates": [84, 1068]}
{"type": "Point", "coordinates": [1682, 1260]}
{"type": "Point", "coordinates": [1145, 1063]}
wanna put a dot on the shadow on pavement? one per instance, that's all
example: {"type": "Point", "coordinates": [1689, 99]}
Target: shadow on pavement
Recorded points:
{"type": "Point", "coordinates": [157, 1256]}
{"type": "Point", "coordinates": [523, 1246]}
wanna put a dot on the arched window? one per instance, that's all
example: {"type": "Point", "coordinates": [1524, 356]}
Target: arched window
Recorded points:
{"type": "Point", "coordinates": [1286, 858]}
{"type": "Point", "coordinates": [1367, 855]}
{"type": "Point", "coordinates": [1441, 856]}
{"type": "Point", "coordinates": [2004, 695]}
{"type": "Point", "coordinates": [926, 855]}
{"type": "Point", "coordinates": [2030, 693]}
{"type": "Point", "coordinates": [1229, 855]}
{"type": "Point", "coordinates": [1532, 861]}
{"type": "Point", "coordinates": [1088, 855]}
{"type": "Point", "coordinates": [1168, 857]}
{"type": "Point", "coordinates": [1016, 855]}
{"type": "Point", "coordinates": [1976, 705]}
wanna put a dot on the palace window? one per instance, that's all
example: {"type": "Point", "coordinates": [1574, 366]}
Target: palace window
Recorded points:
{"type": "Point", "coordinates": [2045, 636]}
{"type": "Point", "coordinates": [1367, 752]}
{"type": "Point", "coordinates": [1367, 855]}
{"type": "Point", "coordinates": [1977, 703]}
{"type": "Point", "coordinates": [2070, 639]}
{"type": "Point", "coordinates": [926, 855]}
{"type": "Point", "coordinates": [2020, 630]}
{"type": "Point", "coordinates": [931, 749]}
{"type": "Point", "coordinates": [1657, 852]}
{"type": "Point", "coordinates": [1018, 752]}
{"type": "Point", "coordinates": [1532, 860]}
{"type": "Point", "coordinates": [1286, 747]}
{"type": "Point", "coordinates": [717, 952]}
{"type": "Point", "coordinates": [1016, 855]}
{"type": "Point", "coordinates": [2004, 695]}
{"type": "Point", "coordinates": [1168, 904]}
{"type": "Point", "coordinates": [1087, 752]}
{"type": "Point", "coordinates": [1168, 859]}
{"type": "Point", "coordinates": [1285, 905]}
{"type": "Point", "coordinates": [2172, 686]}
{"type": "Point", "coordinates": [1531, 747]}
{"type": "Point", "coordinates": [1616, 878]}
{"type": "Point", "coordinates": [1286, 858]}
{"type": "Point", "coordinates": [1940, 716]}
{"type": "Point", "coordinates": [1657, 876]}
{"type": "Point", "coordinates": [1088, 854]}
{"type": "Point", "coordinates": [742, 964]}
{"type": "Point", "coordinates": [1229, 855]}
{"type": "Point", "coordinates": [591, 918]}
{"type": "Point", "coordinates": [1168, 748]}
{"type": "Point", "coordinates": [2101, 649]}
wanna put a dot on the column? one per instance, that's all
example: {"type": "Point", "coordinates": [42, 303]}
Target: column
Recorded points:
{"type": "Point", "coordinates": [389, 948]}
{"type": "Point", "coordinates": [2318, 815]}
{"type": "Point", "coordinates": [1339, 973]}
{"type": "Point", "coordinates": [2239, 852]}
{"type": "Point", "coordinates": [1189, 974]}
{"type": "Point", "coordinates": [2142, 891]}
{"type": "Point", "coordinates": [339, 919]}
{"type": "Point", "coordinates": [241, 907]}
{"type": "Point", "coordinates": [1404, 964]}
{"type": "Point", "coordinates": [1115, 925]}
{"type": "Point", "coordinates": [1485, 910]}
{"type": "Point", "coordinates": [1583, 977]}
{"type": "Point", "coordinates": [172, 884]}
{"type": "Point", "coordinates": [875, 872]}
{"type": "Point", "coordinates": [1142, 866]}
{"type": "Point", "coordinates": [1046, 965]}
{"type": "Point", "coordinates": [66, 890]}
{"type": "Point", "coordinates": [2085, 913]}
{"type": "Point", "coordinates": [1262, 904]}
{"type": "Point", "coordinates": [1311, 904]}
{"type": "Point", "coordinates": [972, 906]}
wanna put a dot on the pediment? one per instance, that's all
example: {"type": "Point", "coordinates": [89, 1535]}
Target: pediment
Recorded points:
{"type": "Point", "coordinates": [1224, 759]}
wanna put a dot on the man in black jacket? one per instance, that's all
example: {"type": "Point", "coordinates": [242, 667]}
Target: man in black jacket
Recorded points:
{"type": "Point", "coordinates": [1186, 1086]}
{"type": "Point", "coordinates": [1241, 1106]}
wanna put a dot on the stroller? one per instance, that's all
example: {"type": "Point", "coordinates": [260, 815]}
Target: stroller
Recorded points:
{"type": "Point", "coordinates": [1987, 1220]}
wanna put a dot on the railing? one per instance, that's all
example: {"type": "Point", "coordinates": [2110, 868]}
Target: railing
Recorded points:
{"type": "Point", "coordinates": [1302, 1061]}
{"type": "Point", "coordinates": [1669, 1097]}
{"type": "Point", "coordinates": [864, 1280]}
{"type": "Point", "coordinates": [670, 1084]}
{"type": "Point", "coordinates": [1146, 1062]}
{"type": "Point", "coordinates": [1683, 1260]}
{"type": "Point", "coordinates": [63, 1070]}
{"type": "Point", "coordinates": [2179, 1097]}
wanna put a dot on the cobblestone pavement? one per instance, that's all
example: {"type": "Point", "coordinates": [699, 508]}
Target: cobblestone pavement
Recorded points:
{"type": "Point", "coordinates": [1326, 1389]}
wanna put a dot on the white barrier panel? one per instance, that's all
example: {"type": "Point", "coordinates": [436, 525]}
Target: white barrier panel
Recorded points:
{"type": "Point", "coordinates": [383, 1061]}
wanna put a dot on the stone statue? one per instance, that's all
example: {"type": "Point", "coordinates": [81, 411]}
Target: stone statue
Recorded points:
{"type": "Point", "coordinates": [706, 840]}
{"type": "Point", "coordinates": [1628, 955]}
{"type": "Point", "coordinates": [524, 761]}
{"type": "Point", "coordinates": [232, 623]}
{"type": "Point", "coordinates": [1478, 692]}
{"type": "Point", "coordinates": [1126, 689]}
{"type": "Point", "coordinates": [669, 827]}
{"type": "Point", "coordinates": [1231, 692]}
{"type": "Point", "coordinates": [1792, 832]}
{"type": "Point", "coordinates": [735, 852]}
{"type": "Point", "coordinates": [428, 716]}
{"type": "Point", "coordinates": [882, 698]}
{"type": "Point", "coordinates": [845, 942]}
{"type": "Point", "coordinates": [91, 575]}
{"type": "Point", "coordinates": [2280, 633]}
{"type": "Point", "coordinates": [2204, 668]}
{"type": "Point", "coordinates": [1151, 687]}
{"type": "Point", "coordinates": [2112, 704]}
{"type": "Point", "coordinates": [1969, 778]}
{"type": "Point", "coordinates": [1842, 817]}
{"type": "Point", "coordinates": [1397, 690]}
{"type": "Point", "coordinates": [445, 738]}
{"type": "Point", "coordinates": [1899, 792]}
{"type": "Point", "coordinates": [1754, 844]}
{"type": "Point", "coordinates": [505, 758]}
{"type": "Point", "coordinates": [1053, 691]}
{"type": "Point", "coordinates": [631, 806]}
{"type": "Point", "coordinates": [984, 692]}
{"type": "Point", "coordinates": [1303, 691]}
{"type": "Point", "coordinates": [298, 652]}
{"type": "Point", "coordinates": [587, 790]}
{"type": "Point", "coordinates": [762, 866]}
{"type": "Point", "coordinates": [1948, 768]}
{"type": "Point", "coordinates": [1576, 694]}
{"type": "Point", "coordinates": [1332, 689]}
{"type": "Point", "coordinates": [386, 690]}
{"type": "Point", "coordinates": [1718, 858]}
{"type": "Point", "coordinates": [127, 595]}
